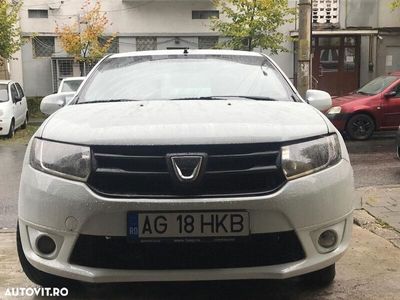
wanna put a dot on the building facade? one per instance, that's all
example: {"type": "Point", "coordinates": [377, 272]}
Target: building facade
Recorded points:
{"type": "Point", "coordinates": [353, 40]}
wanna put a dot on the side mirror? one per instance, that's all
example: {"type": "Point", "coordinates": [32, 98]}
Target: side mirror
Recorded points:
{"type": "Point", "coordinates": [17, 99]}
{"type": "Point", "coordinates": [390, 94]}
{"type": "Point", "coordinates": [319, 99]}
{"type": "Point", "coordinates": [51, 103]}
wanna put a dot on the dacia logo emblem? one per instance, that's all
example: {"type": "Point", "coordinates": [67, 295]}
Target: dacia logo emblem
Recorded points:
{"type": "Point", "coordinates": [187, 167]}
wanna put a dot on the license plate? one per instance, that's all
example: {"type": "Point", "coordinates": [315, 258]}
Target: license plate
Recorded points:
{"type": "Point", "coordinates": [183, 225]}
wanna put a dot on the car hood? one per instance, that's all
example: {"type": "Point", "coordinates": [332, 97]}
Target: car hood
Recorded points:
{"type": "Point", "coordinates": [184, 122]}
{"type": "Point", "coordinates": [349, 98]}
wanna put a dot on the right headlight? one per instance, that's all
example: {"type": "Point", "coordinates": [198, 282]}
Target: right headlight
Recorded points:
{"type": "Point", "coordinates": [334, 110]}
{"type": "Point", "coordinates": [60, 159]}
{"type": "Point", "coordinates": [309, 157]}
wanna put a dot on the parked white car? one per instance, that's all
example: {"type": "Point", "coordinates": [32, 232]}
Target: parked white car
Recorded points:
{"type": "Point", "coordinates": [70, 84]}
{"type": "Point", "coordinates": [13, 108]}
{"type": "Point", "coordinates": [185, 165]}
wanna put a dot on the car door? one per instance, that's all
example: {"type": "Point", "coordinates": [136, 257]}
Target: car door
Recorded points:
{"type": "Point", "coordinates": [17, 105]}
{"type": "Point", "coordinates": [23, 101]}
{"type": "Point", "coordinates": [391, 106]}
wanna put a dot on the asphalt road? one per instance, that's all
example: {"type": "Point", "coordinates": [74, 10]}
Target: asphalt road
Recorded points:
{"type": "Point", "coordinates": [374, 162]}
{"type": "Point", "coordinates": [11, 158]}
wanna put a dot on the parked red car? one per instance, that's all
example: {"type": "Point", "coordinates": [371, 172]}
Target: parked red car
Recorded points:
{"type": "Point", "coordinates": [375, 106]}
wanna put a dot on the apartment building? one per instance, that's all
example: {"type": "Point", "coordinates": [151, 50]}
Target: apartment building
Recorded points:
{"type": "Point", "coordinates": [353, 40]}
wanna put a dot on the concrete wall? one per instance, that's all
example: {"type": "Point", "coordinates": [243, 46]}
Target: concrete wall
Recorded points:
{"type": "Point", "coordinates": [36, 73]}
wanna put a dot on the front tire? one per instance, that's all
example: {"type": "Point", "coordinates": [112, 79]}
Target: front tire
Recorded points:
{"type": "Point", "coordinates": [360, 127]}
{"type": "Point", "coordinates": [11, 132]}
{"type": "Point", "coordinates": [320, 278]}
{"type": "Point", "coordinates": [36, 276]}
{"type": "Point", "coordinates": [23, 126]}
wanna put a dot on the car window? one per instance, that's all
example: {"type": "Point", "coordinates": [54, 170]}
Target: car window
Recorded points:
{"type": "Point", "coordinates": [71, 85]}
{"type": "Point", "coordinates": [14, 92]}
{"type": "Point", "coordinates": [20, 90]}
{"type": "Point", "coordinates": [3, 93]}
{"type": "Point", "coordinates": [172, 77]}
{"type": "Point", "coordinates": [377, 85]}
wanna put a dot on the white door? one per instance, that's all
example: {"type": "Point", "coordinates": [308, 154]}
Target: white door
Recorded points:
{"type": "Point", "coordinates": [17, 106]}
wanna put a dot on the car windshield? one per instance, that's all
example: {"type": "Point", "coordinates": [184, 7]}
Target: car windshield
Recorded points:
{"type": "Point", "coordinates": [180, 77]}
{"type": "Point", "coordinates": [3, 93]}
{"type": "Point", "coordinates": [377, 85]}
{"type": "Point", "coordinates": [71, 85]}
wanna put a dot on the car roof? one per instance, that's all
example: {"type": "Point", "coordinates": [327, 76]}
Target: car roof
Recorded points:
{"type": "Point", "coordinates": [73, 78]}
{"type": "Point", "coordinates": [189, 52]}
{"type": "Point", "coordinates": [5, 81]}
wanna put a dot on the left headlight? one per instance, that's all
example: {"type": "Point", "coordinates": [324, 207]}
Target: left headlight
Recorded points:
{"type": "Point", "coordinates": [334, 110]}
{"type": "Point", "coordinates": [309, 157]}
{"type": "Point", "coordinates": [64, 160]}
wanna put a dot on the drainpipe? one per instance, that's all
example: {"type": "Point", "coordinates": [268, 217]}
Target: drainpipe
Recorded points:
{"type": "Point", "coordinates": [304, 47]}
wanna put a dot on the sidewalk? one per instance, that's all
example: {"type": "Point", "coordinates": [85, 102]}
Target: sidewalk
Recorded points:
{"type": "Point", "coordinates": [383, 203]}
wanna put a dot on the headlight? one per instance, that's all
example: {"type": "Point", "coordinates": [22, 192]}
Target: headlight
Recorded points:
{"type": "Point", "coordinates": [65, 160]}
{"type": "Point", "coordinates": [335, 110]}
{"type": "Point", "coordinates": [309, 157]}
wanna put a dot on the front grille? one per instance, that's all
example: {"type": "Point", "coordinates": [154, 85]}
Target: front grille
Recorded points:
{"type": "Point", "coordinates": [117, 253]}
{"type": "Point", "coordinates": [142, 171]}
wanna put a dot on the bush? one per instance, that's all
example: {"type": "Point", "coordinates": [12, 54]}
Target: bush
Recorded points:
{"type": "Point", "coordinates": [34, 108]}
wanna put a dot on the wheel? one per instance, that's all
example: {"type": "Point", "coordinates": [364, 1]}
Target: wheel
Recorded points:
{"type": "Point", "coordinates": [23, 126]}
{"type": "Point", "coordinates": [37, 276]}
{"type": "Point", "coordinates": [321, 278]}
{"type": "Point", "coordinates": [11, 132]}
{"type": "Point", "coordinates": [360, 127]}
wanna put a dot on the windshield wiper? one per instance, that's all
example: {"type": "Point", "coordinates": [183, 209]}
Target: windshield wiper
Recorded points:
{"type": "Point", "coordinates": [224, 97]}
{"type": "Point", "coordinates": [199, 98]}
{"type": "Point", "coordinates": [107, 101]}
{"type": "Point", "coordinates": [364, 93]}
{"type": "Point", "coordinates": [258, 98]}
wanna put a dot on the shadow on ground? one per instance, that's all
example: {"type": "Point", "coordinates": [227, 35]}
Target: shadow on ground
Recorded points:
{"type": "Point", "coordinates": [254, 289]}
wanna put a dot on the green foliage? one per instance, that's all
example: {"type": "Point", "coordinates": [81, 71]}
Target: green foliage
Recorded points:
{"type": "Point", "coordinates": [395, 4]}
{"type": "Point", "coordinates": [250, 24]}
{"type": "Point", "coordinates": [10, 32]}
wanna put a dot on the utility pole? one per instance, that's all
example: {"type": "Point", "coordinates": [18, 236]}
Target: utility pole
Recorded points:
{"type": "Point", "coordinates": [304, 47]}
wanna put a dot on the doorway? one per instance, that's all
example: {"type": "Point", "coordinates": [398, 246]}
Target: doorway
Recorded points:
{"type": "Point", "coordinates": [336, 64]}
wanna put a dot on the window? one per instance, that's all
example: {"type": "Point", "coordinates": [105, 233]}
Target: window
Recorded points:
{"type": "Point", "coordinates": [14, 93]}
{"type": "Point", "coordinates": [66, 68]}
{"type": "Point", "coordinates": [43, 46]}
{"type": "Point", "coordinates": [146, 43]}
{"type": "Point", "coordinates": [163, 77]}
{"type": "Point", "coordinates": [205, 14]}
{"type": "Point", "coordinates": [325, 11]}
{"type": "Point", "coordinates": [207, 42]}
{"type": "Point", "coordinates": [38, 13]}
{"type": "Point", "coordinates": [19, 89]}
{"type": "Point", "coordinates": [3, 92]}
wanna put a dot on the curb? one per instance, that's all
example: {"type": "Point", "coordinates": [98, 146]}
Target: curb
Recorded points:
{"type": "Point", "coordinates": [365, 220]}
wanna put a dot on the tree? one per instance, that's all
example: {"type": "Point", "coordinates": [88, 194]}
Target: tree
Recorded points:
{"type": "Point", "coordinates": [89, 44]}
{"type": "Point", "coordinates": [10, 32]}
{"type": "Point", "coordinates": [395, 4]}
{"type": "Point", "coordinates": [253, 23]}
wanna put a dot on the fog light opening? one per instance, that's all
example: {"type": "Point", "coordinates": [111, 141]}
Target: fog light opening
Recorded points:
{"type": "Point", "coordinates": [45, 244]}
{"type": "Point", "coordinates": [328, 239]}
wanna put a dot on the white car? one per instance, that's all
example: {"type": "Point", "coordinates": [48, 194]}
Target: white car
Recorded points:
{"type": "Point", "coordinates": [70, 84]}
{"type": "Point", "coordinates": [13, 108]}
{"type": "Point", "coordinates": [185, 165]}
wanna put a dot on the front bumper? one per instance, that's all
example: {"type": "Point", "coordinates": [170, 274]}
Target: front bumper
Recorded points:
{"type": "Point", "coordinates": [4, 126]}
{"type": "Point", "coordinates": [339, 120]}
{"type": "Point", "coordinates": [66, 209]}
